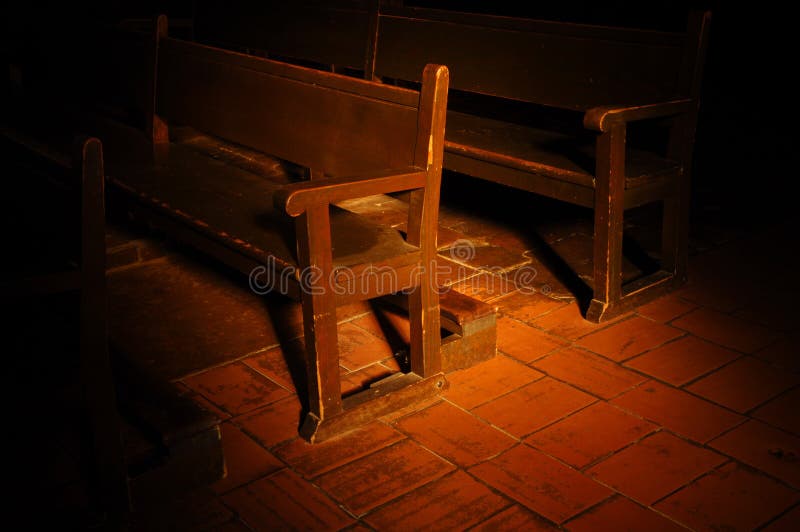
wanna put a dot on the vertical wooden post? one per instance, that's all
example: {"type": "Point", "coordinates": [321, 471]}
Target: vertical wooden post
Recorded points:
{"type": "Point", "coordinates": [423, 215]}
{"type": "Point", "coordinates": [609, 209]}
{"type": "Point", "coordinates": [675, 228]}
{"type": "Point", "coordinates": [314, 173]}
{"type": "Point", "coordinates": [371, 51]}
{"type": "Point", "coordinates": [98, 380]}
{"type": "Point", "coordinates": [319, 316]}
{"type": "Point", "coordinates": [156, 127]}
{"type": "Point", "coordinates": [675, 213]}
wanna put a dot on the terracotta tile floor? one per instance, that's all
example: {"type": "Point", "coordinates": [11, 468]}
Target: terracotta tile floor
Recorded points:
{"type": "Point", "coordinates": [682, 414]}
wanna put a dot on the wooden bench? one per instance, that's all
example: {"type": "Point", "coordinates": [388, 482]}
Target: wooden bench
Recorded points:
{"type": "Point", "coordinates": [58, 240]}
{"type": "Point", "coordinates": [601, 79]}
{"type": "Point", "coordinates": [358, 138]}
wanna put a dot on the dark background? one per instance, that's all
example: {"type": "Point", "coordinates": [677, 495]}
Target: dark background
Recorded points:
{"type": "Point", "coordinates": [747, 133]}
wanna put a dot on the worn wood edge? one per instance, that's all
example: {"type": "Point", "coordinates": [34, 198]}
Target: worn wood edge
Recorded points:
{"type": "Point", "coordinates": [521, 179]}
{"type": "Point", "coordinates": [457, 309]}
{"type": "Point", "coordinates": [296, 198]}
{"type": "Point", "coordinates": [380, 399]}
{"type": "Point", "coordinates": [602, 118]}
{"type": "Point", "coordinates": [300, 74]}
{"type": "Point", "coordinates": [634, 293]}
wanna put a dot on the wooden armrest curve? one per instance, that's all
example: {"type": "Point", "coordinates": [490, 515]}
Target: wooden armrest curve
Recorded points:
{"type": "Point", "coordinates": [601, 118]}
{"type": "Point", "coordinates": [296, 198]}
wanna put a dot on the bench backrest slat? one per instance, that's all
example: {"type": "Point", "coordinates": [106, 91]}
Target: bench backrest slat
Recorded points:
{"type": "Point", "coordinates": [559, 64]}
{"type": "Point", "coordinates": [550, 63]}
{"type": "Point", "coordinates": [331, 123]}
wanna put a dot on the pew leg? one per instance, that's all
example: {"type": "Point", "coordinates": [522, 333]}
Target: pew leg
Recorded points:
{"type": "Point", "coordinates": [423, 310]}
{"type": "Point", "coordinates": [675, 237]}
{"type": "Point", "coordinates": [322, 362]}
{"type": "Point", "coordinates": [319, 319]}
{"type": "Point", "coordinates": [110, 474]}
{"type": "Point", "coordinates": [328, 414]}
{"type": "Point", "coordinates": [677, 209]}
{"type": "Point", "coordinates": [670, 234]}
{"type": "Point", "coordinates": [608, 224]}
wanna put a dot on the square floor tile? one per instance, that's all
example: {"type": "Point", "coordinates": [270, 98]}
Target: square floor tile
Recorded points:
{"type": "Point", "coordinates": [541, 483]}
{"type": "Point", "coordinates": [729, 498]}
{"type": "Point", "coordinates": [245, 460]}
{"type": "Point", "coordinates": [744, 384]}
{"type": "Point", "coordinates": [379, 477]}
{"type": "Point", "coordinates": [666, 308]}
{"type": "Point", "coordinates": [654, 467]}
{"type": "Point", "coordinates": [274, 363]}
{"type": "Point", "coordinates": [485, 286]}
{"type": "Point", "coordinates": [273, 423]}
{"type": "Point", "coordinates": [359, 348]}
{"type": "Point", "coordinates": [516, 517]}
{"type": "Point", "coordinates": [236, 388]}
{"type": "Point", "coordinates": [488, 380]}
{"type": "Point", "coordinates": [788, 522]}
{"type": "Point", "coordinates": [524, 342]}
{"type": "Point", "coordinates": [533, 406]}
{"type": "Point", "coordinates": [629, 338]}
{"type": "Point", "coordinates": [679, 411]}
{"type": "Point", "coordinates": [313, 459]}
{"type": "Point", "coordinates": [783, 354]}
{"type": "Point", "coordinates": [526, 307]}
{"type": "Point", "coordinates": [284, 501]}
{"type": "Point", "coordinates": [683, 360]}
{"type": "Point", "coordinates": [726, 330]}
{"type": "Point", "coordinates": [454, 502]}
{"type": "Point", "coordinates": [620, 514]}
{"type": "Point", "coordinates": [387, 323]}
{"type": "Point", "coordinates": [589, 372]}
{"type": "Point", "coordinates": [782, 412]}
{"type": "Point", "coordinates": [768, 449]}
{"type": "Point", "coordinates": [568, 322]}
{"type": "Point", "coordinates": [592, 433]}
{"type": "Point", "coordinates": [712, 293]}
{"type": "Point", "coordinates": [454, 434]}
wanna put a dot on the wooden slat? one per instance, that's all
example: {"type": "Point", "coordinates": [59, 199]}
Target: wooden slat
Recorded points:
{"type": "Point", "coordinates": [520, 179]}
{"type": "Point", "coordinates": [544, 152]}
{"type": "Point", "coordinates": [288, 118]}
{"type": "Point", "coordinates": [354, 86]}
{"type": "Point", "coordinates": [235, 208]}
{"type": "Point", "coordinates": [423, 215]}
{"type": "Point", "coordinates": [545, 66]}
{"type": "Point", "coordinates": [571, 29]}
